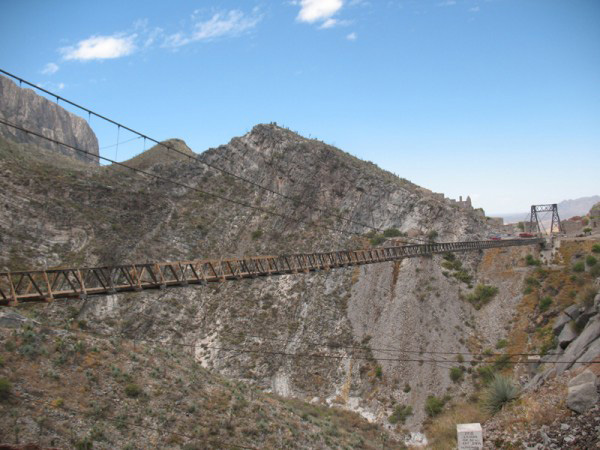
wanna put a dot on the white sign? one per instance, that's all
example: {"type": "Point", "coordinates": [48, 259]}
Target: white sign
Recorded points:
{"type": "Point", "coordinates": [469, 436]}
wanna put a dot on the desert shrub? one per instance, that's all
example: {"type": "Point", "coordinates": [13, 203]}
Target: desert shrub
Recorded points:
{"type": "Point", "coordinates": [376, 240]}
{"type": "Point", "coordinates": [531, 261]}
{"type": "Point", "coordinates": [463, 275]}
{"type": "Point", "coordinates": [133, 390]}
{"type": "Point", "coordinates": [434, 405]}
{"type": "Point", "coordinates": [486, 373]}
{"type": "Point", "coordinates": [85, 444]}
{"type": "Point", "coordinates": [378, 372]}
{"type": "Point", "coordinates": [502, 362]}
{"type": "Point", "coordinates": [587, 296]}
{"type": "Point", "coordinates": [451, 256]}
{"type": "Point", "coordinates": [5, 388]}
{"type": "Point", "coordinates": [400, 414]}
{"type": "Point", "coordinates": [578, 267]}
{"type": "Point", "coordinates": [550, 342]}
{"type": "Point", "coordinates": [482, 294]}
{"type": "Point", "coordinates": [591, 260]}
{"type": "Point", "coordinates": [392, 232]}
{"type": "Point", "coordinates": [500, 391]}
{"type": "Point", "coordinates": [596, 248]}
{"type": "Point", "coordinates": [456, 374]}
{"type": "Point", "coordinates": [595, 271]}
{"type": "Point", "coordinates": [545, 303]}
{"type": "Point", "coordinates": [432, 235]}
{"type": "Point", "coordinates": [587, 230]}
{"type": "Point", "coordinates": [257, 234]}
{"type": "Point", "coordinates": [407, 388]}
{"type": "Point", "coordinates": [501, 343]}
{"type": "Point", "coordinates": [454, 264]}
{"type": "Point", "coordinates": [541, 273]}
{"type": "Point", "coordinates": [531, 281]}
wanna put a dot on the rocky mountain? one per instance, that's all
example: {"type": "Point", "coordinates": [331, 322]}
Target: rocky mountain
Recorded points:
{"type": "Point", "coordinates": [25, 108]}
{"type": "Point", "coordinates": [385, 341]}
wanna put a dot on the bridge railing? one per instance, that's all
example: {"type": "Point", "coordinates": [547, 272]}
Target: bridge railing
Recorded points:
{"type": "Point", "coordinates": [46, 285]}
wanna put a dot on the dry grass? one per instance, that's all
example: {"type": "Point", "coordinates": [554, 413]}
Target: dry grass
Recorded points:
{"type": "Point", "coordinates": [568, 249]}
{"type": "Point", "coordinates": [442, 430]}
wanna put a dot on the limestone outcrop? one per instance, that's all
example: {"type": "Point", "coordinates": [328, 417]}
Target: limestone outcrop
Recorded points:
{"type": "Point", "coordinates": [25, 108]}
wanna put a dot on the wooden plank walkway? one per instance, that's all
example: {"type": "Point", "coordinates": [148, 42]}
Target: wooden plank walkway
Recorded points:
{"type": "Point", "coordinates": [46, 285]}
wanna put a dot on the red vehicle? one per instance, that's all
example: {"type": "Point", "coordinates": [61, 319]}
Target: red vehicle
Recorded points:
{"type": "Point", "coordinates": [526, 235]}
{"type": "Point", "coordinates": [495, 238]}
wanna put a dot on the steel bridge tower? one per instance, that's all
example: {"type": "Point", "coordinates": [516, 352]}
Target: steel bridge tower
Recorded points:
{"type": "Point", "coordinates": [534, 222]}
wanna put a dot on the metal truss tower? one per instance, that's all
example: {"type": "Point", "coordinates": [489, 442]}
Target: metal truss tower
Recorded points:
{"type": "Point", "coordinates": [534, 222]}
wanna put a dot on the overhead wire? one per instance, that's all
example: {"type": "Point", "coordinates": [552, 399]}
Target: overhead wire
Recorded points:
{"type": "Point", "coordinates": [178, 183]}
{"type": "Point", "coordinates": [325, 355]}
{"type": "Point", "coordinates": [187, 155]}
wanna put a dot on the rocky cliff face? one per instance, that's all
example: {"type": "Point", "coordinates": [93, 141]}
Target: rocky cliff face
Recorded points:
{"type": "Point", "coordinates": [25, 108]}
{"type": "Point", "coordinates": [369, 327]}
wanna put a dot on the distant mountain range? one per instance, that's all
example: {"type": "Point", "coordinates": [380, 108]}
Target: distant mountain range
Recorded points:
{"type": "Point", "coordinates": [566, 209]}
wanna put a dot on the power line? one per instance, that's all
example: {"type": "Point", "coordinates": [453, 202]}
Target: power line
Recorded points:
{"type": "Point", "coordinates": [170, 180]}
{"type": "Point", "coordinates": [120, 143]}
{"type": "Point", "coordinates": [328, 355]}
{"type": "Point", "coordinates": [171, 148]}
{"type": "Point", "coordinates": [379, 349]}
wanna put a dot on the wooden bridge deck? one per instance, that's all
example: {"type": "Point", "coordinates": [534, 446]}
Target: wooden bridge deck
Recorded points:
{"type": "Point", "coordinates": [46, 285]}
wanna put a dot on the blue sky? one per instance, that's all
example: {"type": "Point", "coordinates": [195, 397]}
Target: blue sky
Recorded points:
{"type": "Point", "coordinates": [497, 99]}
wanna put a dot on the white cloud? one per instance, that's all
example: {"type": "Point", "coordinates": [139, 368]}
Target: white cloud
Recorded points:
{"type": "Point", "coordinates": [447, 3]}
{"type": "Point", "coordinates": [352, 36]}
{"type": "Point", "coordinates": [315, 10]}
{"type": "Point", "coordinates": [474, 9]}
{"type": "Point", "coordinates": [52, 86]}
{"type": "Point", "coordinates": [101, 47]}
{"type": "Point", "coordinates": [232, 23]}
{"type": "Point", "coordinates": [50, 69]}
{"type": "Point", "coordinates": [329, 23]}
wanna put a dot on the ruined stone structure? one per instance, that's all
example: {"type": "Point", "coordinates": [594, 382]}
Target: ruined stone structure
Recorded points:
{"type": "Point", "coordinates": [595, 216]}
{"type": "Point", "coordinates": [572, 226]}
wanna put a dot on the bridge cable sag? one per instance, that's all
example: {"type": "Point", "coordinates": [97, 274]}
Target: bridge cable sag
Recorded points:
{"type": "Point", "coordinates": [192, 157]}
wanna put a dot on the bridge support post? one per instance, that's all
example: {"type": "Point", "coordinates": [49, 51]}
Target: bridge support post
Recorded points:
{"type": "Point", "coordinates": [13, 293]}
{"type": "Point", "coordinates": [49, 297]}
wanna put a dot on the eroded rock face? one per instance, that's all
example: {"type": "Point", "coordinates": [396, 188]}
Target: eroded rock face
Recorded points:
{"type": "Point", "coordinates": [356, 317]}
{"type": "Point", "coordinates": [25, 108]}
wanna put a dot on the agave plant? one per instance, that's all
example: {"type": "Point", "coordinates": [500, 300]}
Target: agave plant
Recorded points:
{"type": "Point", "coordinates": [500, 391]}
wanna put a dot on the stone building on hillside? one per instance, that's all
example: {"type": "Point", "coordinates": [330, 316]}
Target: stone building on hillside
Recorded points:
{"type": "Point", "coordinates": [595, 216]}
{"type": "Point", "coordinates": [497, 222]}
{"type": "Point", "coordinates": [573, 226]}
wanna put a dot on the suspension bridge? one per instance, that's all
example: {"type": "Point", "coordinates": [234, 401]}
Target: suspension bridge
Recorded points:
{"type": "Point", "coordinates": [46, 285]}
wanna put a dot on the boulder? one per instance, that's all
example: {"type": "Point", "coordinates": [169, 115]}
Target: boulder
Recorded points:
{"type": "Point", "coordinates": [584, 318]}
{"type": "Point", "coordinates": [591, 354]}
{"type": "Point", "coordinates": [560, 322]}
{"type": "Point", "coordinates": [582, 392]}
{"type": "Point", "coordinates": [587, 376]}
{"type": "Point", "coordinates": [573, 311]}
{"type": "Point", "coordinates": [566, 336]}
{"type": "Point", "coordinates": [580, 345]}
{"type": "Point", "coordinates": [10, 319]}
